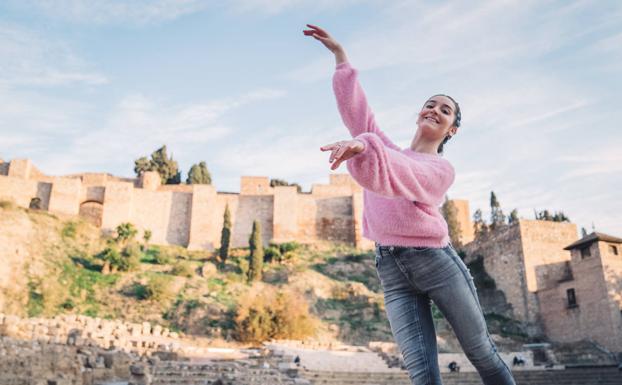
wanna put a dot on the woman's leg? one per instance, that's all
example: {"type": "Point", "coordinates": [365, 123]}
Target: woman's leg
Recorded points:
{"type": "Point", "coordinates": [457, 300]}
{"type": "Point", "coordinates": [410, 317]}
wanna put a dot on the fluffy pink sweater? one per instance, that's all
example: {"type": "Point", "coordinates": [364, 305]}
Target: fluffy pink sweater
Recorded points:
{"type": "Point", "coordinates": [402, 188]}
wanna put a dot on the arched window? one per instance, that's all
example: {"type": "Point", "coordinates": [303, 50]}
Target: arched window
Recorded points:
{"type": "Point", "coordinates": [92, 211]}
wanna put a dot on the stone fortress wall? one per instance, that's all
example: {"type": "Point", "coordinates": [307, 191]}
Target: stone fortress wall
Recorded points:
{"type": "Point", "coordinates": [192, 215]}
{"type": "Point", "coordinates": [527, 260]}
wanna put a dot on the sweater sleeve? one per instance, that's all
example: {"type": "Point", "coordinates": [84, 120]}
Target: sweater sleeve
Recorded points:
{"type": "Point", "coordinates": [352, 104]}
{"type": "Point", "coordinates": [393, 174]}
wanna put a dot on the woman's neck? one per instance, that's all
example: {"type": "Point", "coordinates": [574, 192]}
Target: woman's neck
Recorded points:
{"type": "Point", "coordinates": [419, 144]}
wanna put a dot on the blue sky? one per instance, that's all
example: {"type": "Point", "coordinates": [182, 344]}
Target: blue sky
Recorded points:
{"type": "Point", "coordinates": [93, 85]}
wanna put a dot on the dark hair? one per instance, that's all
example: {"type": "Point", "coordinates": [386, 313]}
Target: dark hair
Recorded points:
{"type": "Point", "coordinates": [456, 120]}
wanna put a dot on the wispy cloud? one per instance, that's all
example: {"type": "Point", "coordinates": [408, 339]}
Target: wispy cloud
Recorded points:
{"type": "Point", "coordinates": [607, 160]}
{"type": "Point", "coordinates": [31, 59]}
{"type": "Point", "coordinates": [138, 12]}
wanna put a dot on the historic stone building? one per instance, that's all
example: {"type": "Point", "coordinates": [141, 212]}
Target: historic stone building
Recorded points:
{"type": "Point", "coordinates": [582, 298]}
{"type": "Point", "coordinates": [192, 215]}
{"type": "Point", "coordinates": [558, 287]}
{"type": "Point", "coordinates": [513, 255]}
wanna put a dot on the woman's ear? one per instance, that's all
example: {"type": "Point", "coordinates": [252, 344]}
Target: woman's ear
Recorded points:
{"type": "Point", "coordinates": [453, 130]}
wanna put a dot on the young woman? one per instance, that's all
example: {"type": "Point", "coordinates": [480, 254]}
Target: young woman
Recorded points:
{"type": "Point", "coordinates": [415, 262]}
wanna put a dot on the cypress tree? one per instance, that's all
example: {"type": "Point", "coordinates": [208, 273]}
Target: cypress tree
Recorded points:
{"type": "Point", "coordinates": [255, 262]}
{"type": "Point", "coordinates": [160, 162]}
{"type": "Point", "coordinates": [225, 236]}
{"type": "Point", "coordinates": [199, 174]}
{"type": "Point", "coordinates": [497, 218]}
{"type": "Point", "coordinates": [450, 212]}
{"type": "Point", "coordinates": [513, 218]}
{"type": "Point", "coordinates": [479, 226]}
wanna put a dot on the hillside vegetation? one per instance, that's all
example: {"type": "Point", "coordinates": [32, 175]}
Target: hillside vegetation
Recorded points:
{"type": "Point", "coordinates": [54, 265]}
{"type": "Point", "coordinates": [61, 265]}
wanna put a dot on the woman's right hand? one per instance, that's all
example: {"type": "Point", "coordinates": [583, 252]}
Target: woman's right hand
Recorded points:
{"type": "Point", "coordinates": [323, 36]}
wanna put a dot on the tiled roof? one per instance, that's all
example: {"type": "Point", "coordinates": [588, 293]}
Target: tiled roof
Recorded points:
{"type": "Point", "coordinates": [593, 237]}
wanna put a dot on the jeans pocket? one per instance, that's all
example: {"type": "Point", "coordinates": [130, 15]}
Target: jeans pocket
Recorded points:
{"type": "Point", "coordinates": [377, 259]}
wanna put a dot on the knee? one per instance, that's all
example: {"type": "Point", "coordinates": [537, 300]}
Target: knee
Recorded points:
{"type": "Point", "coordinates": [485, 358]}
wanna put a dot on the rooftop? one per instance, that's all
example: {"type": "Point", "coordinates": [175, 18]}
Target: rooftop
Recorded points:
{"type": "Point", "coordinates": [593, 237]}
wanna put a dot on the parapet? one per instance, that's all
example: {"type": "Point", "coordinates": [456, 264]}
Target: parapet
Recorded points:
{"type": "Point", "coordinates": [149, 180]}
{"type": "Point", "coordinates": [255, 185]}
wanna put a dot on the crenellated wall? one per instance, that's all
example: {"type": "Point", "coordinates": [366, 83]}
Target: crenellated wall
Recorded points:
{"type": "Point", "coordinates": [192, 215]}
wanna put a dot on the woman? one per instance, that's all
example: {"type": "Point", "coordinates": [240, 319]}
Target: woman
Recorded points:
{"type": "Point", "coordinates": [415, 262]}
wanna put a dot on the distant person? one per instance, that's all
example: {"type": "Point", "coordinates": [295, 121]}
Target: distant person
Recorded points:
{"type": "Point", "coordinates": [453, 366]}
{"type": "Point", "coordinates": [403, 191]}
{"type": "Point", "coordinates": [518, 360]}
{"type": "Point", "coordinates": [297, 361]}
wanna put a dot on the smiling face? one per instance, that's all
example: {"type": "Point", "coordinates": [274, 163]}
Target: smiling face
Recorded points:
{"type": "Point", "coordinates": [437, 117]}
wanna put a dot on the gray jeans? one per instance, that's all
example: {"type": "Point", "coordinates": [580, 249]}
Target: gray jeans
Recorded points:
{"type": "Point", "coordinates": [411, 278]}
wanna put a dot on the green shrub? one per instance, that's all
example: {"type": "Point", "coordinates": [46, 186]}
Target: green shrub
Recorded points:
{"type": "Point", "coordinates": [126, 260]}
{"type": "Point", "coordinates": [162, 258]}
{"type": "Point", "coordinates": [183, 269]}
{"type": "Point", "coordinates": [268, 315]}
{"type": "Point", "coordinates": [125, 232]}
{"type": "Point", "coordinates": [157, 288]}
{"type": "Point", "coordinates": [272, 254]}
{"type": "Point", "coordinates": [69, 230]}
{"type": "Point", "coordinates": [289, 246]}
{"type": "Point", "coordinates": [35, 304]}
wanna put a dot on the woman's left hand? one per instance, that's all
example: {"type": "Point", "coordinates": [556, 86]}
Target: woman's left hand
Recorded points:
{"type": "Point", "coordinates": [343, 150]}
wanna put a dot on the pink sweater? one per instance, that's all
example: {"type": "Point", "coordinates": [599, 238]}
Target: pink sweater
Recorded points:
{"type": "Point", "coordinates": [402, 188]}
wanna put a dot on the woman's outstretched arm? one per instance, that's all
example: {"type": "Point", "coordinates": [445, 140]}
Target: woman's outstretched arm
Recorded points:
{"type": "Point", "coordinates": [351, 101]}
{"type": "Point", "coordinates": [394, 174]}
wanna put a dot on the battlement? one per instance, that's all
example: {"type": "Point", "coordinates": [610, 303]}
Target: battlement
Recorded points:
{"type": "Point", "coordinates": [192, 215]}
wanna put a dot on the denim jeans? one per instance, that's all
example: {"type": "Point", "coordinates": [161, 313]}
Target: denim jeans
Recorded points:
{"type": "Point", "coordinates": [411, 278]}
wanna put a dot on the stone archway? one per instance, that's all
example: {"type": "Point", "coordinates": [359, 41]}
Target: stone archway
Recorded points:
{"type": "Point", "coordinates": [91, 211]}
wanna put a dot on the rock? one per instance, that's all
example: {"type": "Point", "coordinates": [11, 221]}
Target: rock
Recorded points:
{"type": "Point", "coordinates": [208, 269]}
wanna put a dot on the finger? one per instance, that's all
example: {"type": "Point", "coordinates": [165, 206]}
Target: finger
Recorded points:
{"type": "Point", "coordinates": [331, 146]}
{"type": "Point", "coordinates": [333, 155]}
{"type": "Point", "coordinates": [320, 38]}
{"type": "Point", "coordinates": [340, 152]}
{"type": "Point", "coordinates": [336, 164]}
{"type": "Point", "coordinates": [321, 30]}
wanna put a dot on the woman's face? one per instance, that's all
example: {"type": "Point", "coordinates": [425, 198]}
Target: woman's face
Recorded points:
{"type": "Point", "coordinates": [436, 118]}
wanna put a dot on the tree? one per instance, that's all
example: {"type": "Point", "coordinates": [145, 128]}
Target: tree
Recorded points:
{"type": "Point", "coordinates": [450, 212]}
{"type": "Point", "coordinates": [160, 162]}
{"type": "Point", "coordinates": [147, 236]}
{"type": "Point", "coordinates": [199, 174]}
{"type": "Point", "coordinates": [225, 236]}
{"type": "Point", "coordinates": [281, 182]}
{"type": "Point", "coordinates": [557, 216]}
{"type": "Point", "coordinates": [497, 218]}
{"type": "Point", "coordinates": [513, 218]}
{"type": "Point", "coordinates": [125, 232]}
{"type": "Point", "coordinates": [255, 262]}
{"type": "Point", "coordinates": [479, 226]}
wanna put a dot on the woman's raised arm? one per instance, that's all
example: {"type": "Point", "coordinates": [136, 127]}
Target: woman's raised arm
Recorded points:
{"type": "Point", "coordinates": [328, 41]}
{"type": "Point", "coordinates": [351, 101]}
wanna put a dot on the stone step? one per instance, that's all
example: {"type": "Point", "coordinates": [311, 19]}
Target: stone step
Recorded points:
{"type": "Point", "coordinates": [586, 376]}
